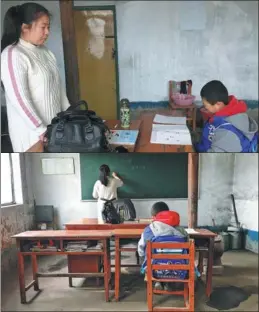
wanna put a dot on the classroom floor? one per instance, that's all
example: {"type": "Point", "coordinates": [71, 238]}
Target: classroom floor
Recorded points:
{"type": "Point", "coordinates": [240, 270]}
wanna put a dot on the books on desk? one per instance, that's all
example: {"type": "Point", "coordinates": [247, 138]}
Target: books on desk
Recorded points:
{"type": "Point", "coordinates": [171, 120]}
{"type": "Point", "coordinates": [123, 137]}
{"type": "Point", "coordinates": [170, 134]}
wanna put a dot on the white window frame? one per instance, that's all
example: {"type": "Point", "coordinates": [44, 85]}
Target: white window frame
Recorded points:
{"type": "Point", "coordinates": [14, 199]}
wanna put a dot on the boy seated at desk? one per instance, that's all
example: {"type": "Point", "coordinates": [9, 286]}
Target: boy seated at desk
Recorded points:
{"type": "Point", "coordinates": [229, 129]}
{"type": "Point", "coordinates": [165, 223]}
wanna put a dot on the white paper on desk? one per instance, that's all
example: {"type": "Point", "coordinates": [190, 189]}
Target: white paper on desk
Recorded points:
{"type": "Point", "coordinates": [170, 134]}
{"type": "Point", "coordinates": [191, 231]}
{"type": "Point", "coordinates": [170, 120]}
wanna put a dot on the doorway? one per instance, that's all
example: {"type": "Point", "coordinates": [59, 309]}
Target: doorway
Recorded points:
{"type": "Point", "coordinates": [96, 46]}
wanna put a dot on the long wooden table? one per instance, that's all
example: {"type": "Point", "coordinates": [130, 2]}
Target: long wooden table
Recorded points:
{"type": "Point", "coordinates": [92, 224]}
{"type": "Point", "coordinates": [202, 234]}
{"type": "Point", "coordinates": [61, 236]}
{"type": "Point", "coordinates": [143, 145]}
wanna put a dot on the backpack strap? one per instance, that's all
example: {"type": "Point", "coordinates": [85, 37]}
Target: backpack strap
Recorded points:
{"type": "Point", "coordinates": [244, 141]}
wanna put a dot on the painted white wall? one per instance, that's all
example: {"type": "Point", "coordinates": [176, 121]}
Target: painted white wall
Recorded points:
{"type": "Point", "coordinates": [245, 190]}
{"type": "Point", "coordinates": [64, 191]}
{"type": "Point", "coordinates": [153, 48]}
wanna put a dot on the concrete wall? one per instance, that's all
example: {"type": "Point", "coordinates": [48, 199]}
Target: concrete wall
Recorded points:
{"type": "Point", "coordinates": [153, 47]}
{"type": "Point", "coordinates": [245, 190]}
{"type": "Point", "coordinates": [63, 191]}
{"type": "Point", "coordinates": [16, 219]}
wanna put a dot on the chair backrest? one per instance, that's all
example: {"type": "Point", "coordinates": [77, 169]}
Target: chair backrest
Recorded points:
{"type": "Point", "coordinates": [170, 257]}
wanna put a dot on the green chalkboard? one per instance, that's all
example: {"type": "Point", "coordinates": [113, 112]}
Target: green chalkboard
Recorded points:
{"type": "Point", "coordinates": [144, 175]}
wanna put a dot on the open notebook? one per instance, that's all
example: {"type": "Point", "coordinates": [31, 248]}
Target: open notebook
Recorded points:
{"type": "Point", "coordinates": [170, 134]}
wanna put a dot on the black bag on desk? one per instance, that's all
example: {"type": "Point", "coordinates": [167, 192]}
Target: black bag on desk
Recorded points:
{"type": "Point", "coordinates": [78, 131]}
{"type": "Point", "coordinates": [110, 214]}
{"type": "Point", "coordinates": [125, 209]}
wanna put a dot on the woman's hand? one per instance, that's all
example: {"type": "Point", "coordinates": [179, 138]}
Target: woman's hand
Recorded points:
{"type": "Point", "coordinates": [114, 174]}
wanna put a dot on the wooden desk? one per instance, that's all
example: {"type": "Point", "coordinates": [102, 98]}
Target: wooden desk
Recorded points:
{"type": "Point", "coordinates": [143, 144]}
{"type": "Point", "coordinates": [202, 234]}
{"type": "Point", "coordinates": [60, 237]}
{"type": "Point", "coordinates": [135, 125]}
{"type": "Point", "coordinates": [92, 224]}
{"type": "Point", "coordinates": [36, 148]}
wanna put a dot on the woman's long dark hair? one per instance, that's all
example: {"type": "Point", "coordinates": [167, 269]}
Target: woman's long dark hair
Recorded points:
{"type": "Point", "coordinates": [15, 17]}
{"type": "Point", "coordinates": [104, 174]}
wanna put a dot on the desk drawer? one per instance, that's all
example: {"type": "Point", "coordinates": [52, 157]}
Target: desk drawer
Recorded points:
{"type": "Point", "coordinates": [84, 264]}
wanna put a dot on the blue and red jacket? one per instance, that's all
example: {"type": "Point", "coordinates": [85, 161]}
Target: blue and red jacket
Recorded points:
{"type": "Point", "coordinates": [230, 130]}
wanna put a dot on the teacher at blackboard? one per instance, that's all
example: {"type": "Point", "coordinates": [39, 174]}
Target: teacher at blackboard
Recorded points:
{"type": "Point", "coordinates": [105, 188]}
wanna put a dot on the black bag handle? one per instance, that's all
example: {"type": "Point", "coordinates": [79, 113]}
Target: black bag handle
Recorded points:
{"type": "Point", "coordinates": [79, 103]}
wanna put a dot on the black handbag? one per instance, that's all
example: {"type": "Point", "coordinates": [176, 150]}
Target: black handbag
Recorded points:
{"type": "Point", "coordinates": [76, 130]}
{"type": "Point", "coordinates": [109, 213]}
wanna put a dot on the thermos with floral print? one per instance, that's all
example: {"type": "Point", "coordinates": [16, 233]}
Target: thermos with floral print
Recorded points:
{"type": "Point", "coordinates": [125, 113]}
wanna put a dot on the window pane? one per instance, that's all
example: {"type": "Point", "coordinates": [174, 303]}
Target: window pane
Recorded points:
{"type": "Point", "coordinates": [6, 180]}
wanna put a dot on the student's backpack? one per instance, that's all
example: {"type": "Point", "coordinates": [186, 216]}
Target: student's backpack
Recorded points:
{"type": "Point", "coordinates": [126, 209]}
{"type": "Point", "coordinates": [109, 213]}
{"type": "Point", "coordinates": [169, 274]}
{"type": "Point", "coordinates": [248, 146]}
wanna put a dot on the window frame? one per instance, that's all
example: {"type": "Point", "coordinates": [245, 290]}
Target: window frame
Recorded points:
{"type": "Point", "coordinates": [13, 202]}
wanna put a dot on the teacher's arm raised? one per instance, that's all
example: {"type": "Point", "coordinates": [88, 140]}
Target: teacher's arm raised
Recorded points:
{"type": "Point", "coordinates": [118, 180]}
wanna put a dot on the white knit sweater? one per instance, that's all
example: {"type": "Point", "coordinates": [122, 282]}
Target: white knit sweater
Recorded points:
{"type": "Point", "coordinates": [33, 90]}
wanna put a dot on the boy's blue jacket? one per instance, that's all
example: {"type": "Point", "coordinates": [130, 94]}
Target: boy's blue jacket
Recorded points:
{"type": "Point", "coordinates": [157, 228]}
{"type": "Point", "coordinates": [229, 130]}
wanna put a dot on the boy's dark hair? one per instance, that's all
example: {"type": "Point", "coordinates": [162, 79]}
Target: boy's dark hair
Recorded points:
{"type": "Point", "coordinates": [214, 91]}
{"type": "Point", "coordinates": [158, 207]}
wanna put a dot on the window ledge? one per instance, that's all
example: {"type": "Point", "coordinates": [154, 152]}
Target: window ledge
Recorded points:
{"type": "Point", "coordinates": [10, 206]}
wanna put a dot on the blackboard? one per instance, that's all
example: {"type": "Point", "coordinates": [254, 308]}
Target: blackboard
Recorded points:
{"type": "Point", "coordinates": [144, 175]}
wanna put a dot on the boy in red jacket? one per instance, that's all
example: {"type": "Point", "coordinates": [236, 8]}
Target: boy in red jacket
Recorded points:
{"type": "Point", "coordinates": [165, 223]}
{"type": "Point", "coordinates": [229, 129]}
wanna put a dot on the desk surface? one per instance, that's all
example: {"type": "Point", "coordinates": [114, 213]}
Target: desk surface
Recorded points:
{"type": "Point", "coordinates": [63, 234]}
{"type": "Point", "coordinates": [92, 224]}
{"type": "Point", "coordinates": [202, 233]}
{"type": "Point", "coordinates": [88, 221]}
{"type": "Point", "coordinates": [143, 144]}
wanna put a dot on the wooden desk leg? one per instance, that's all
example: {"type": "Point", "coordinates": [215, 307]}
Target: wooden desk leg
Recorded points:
{"type": "Point", "coordinates": [70, 283]}
{"type": "Point", "coordinates": [106, 269]}
{"type": "Point", "coordinates": [34, 271]}
{"type": "Point", "coordinates": [209, 267]}
{"type": "Point", "coordinates": [21, 277]}
{"type": "Point", "coordinates": [117, 268]}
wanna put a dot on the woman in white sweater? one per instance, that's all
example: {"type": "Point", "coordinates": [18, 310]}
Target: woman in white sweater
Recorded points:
{"type": "Point", "coordinates": [29, 73]}
{"type": "Point", "coordinates": [105, 188]}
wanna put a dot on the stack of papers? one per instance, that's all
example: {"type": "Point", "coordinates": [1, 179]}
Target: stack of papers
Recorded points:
{"type": "Point", "coordinates": [170, 130]}
{"type": "Point", "coordinates": [191, 231]}
{"type": "Point", "coordinates": [123, 137]}
{"type": "Point", "coordinates": [170, 120]}
{"type": "Point", "coordinates": [170, 134]}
